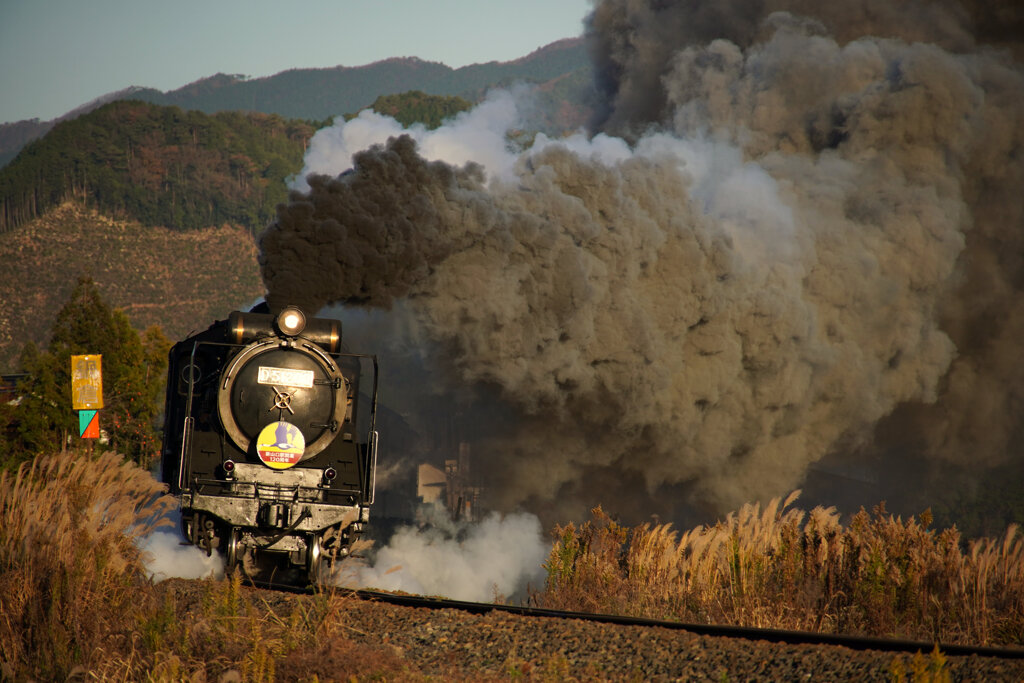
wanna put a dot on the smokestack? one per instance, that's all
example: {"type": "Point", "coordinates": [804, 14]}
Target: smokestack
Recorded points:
{"type": "Point", "coordinates": [780, 235]}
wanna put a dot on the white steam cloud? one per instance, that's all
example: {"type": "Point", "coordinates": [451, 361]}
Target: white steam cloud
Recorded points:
{"type": "Point", "coordinates": [477, 135]}
{"type": "Point", "coordinates": [167, 557]}
{"type": "Point", "coordinates": [497, 557]}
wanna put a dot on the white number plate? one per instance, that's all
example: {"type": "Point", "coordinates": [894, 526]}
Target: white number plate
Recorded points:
{"type": "Point", "coordinates": [286, 377]}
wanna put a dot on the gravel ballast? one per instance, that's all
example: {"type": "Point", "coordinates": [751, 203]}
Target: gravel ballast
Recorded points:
{"type": "Point", "coordinates": [442, 644]}
{"type": "Point", "coordinates": [509, 645]}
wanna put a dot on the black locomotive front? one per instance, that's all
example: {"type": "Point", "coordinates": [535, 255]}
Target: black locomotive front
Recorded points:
{"type": "Point", "coordinates": [269, 440]}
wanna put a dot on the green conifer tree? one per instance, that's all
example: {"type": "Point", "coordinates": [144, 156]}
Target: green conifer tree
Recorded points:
{"type": "Point", "coordinates": [134, 369]}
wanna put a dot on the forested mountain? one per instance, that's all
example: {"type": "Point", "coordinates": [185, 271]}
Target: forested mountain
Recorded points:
{"type": "Point", "coordinates": [158, 206]}
{"type": "Point", "coordinates": [159, 166]}
{"type": "Point", "coordinates": [162, 166]}
{"type": "Point", "coordinates": [179, 280]}
{"type": "Point", "coordinates": [417, 107]}
{"type": "Point", "coordinates": [319, 94]}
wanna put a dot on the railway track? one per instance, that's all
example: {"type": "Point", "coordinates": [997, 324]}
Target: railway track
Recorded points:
{"type": "Point", "coordinates": [860, 643]}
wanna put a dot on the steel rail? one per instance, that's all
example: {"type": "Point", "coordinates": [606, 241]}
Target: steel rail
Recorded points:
{"type": "Point", "coordinates": [786, 637]}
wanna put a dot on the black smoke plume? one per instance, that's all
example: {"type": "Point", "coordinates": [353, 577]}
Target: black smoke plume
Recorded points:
{"type": "Point", "coordinates": [368, 236]}
{"type": "Point", "coordinates": [811, 245]}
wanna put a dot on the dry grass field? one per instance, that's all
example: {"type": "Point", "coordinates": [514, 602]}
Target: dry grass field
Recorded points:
{"type": "Point", "coordinates": [783, 567]}
{"type": "Point", "coordinates": [76, 600]}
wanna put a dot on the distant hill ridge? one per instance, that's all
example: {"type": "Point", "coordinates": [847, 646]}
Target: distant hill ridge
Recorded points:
{"type": "Point", "coordinates": [159, 203]}
{"type": "Point", "coordinates": [159, 165]}
{"type": "Point", "coordinates": [322, 93]}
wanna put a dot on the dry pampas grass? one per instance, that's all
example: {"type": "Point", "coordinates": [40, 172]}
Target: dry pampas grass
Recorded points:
{"type": "Point", "coordinates": [782, 567]}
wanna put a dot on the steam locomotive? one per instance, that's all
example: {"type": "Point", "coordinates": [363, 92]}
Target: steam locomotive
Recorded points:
{"type": "Point", "coordinates": [270, 441]}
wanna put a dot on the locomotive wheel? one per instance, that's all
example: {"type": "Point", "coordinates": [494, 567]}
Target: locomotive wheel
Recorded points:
{"type": "Point", "coordinates": [231, 551]}
{"type": "Point", "coordinates": [314, 558]}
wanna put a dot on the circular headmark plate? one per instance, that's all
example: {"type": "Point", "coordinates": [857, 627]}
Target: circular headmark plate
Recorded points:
{"type": "Point", "coordinates": [280, 445]}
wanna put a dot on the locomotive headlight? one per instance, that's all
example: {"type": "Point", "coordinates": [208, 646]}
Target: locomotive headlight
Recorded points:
{"type": "Point", "coordinates": [291, 321]}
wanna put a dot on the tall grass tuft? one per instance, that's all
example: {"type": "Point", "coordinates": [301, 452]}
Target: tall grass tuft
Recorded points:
{"type": "Point", "coordinates": [71, 576]}
{"type": "Point", "coordinates": [76, 603]}
{"type": "Point", "coordinates": [782, 567]}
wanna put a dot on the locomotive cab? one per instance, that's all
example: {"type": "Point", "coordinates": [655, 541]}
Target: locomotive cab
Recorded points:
{"type": "Point", "coordinates": [270, 440]}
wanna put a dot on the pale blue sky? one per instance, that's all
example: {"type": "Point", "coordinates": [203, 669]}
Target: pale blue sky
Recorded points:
{"type": "Point", "coordinates": [58, 54]}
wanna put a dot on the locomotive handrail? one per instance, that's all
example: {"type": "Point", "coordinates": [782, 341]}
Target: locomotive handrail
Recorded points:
{"type": "Point", "coordinates": [189, 422]}
{"type": "Point", "coordinates": [373, 468]}
{"type": "Point", "coordinates": [186, 448]}
{"type": "Point", "coordinates": [372, 436]}
{"type": "Point", "coordinates": [248, 490]}
{"type": "Point", "coordinates": [373, 432]}
{"type": "Point", "coordinates": [314, 348]}
{"type": "Point", "coordinates": [277, 492]}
